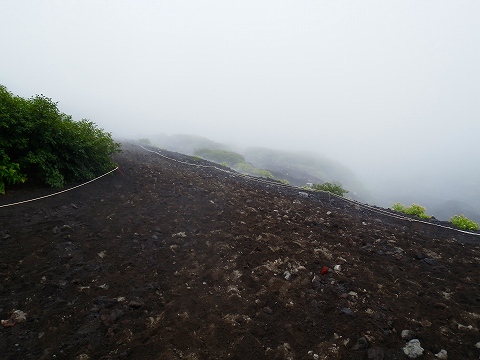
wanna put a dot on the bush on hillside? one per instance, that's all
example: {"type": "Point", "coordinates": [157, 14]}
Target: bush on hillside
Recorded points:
{"type": "Point", "coordinates": [461, 222]}
{"type": "Point", "coordinates": [246, 168]}
{"type": "Point", "coordinates": [331, 188]}
{"type": "Point", "coordinates": [45, 146]}
{"type": "Point", "coordinates": [414, 209]}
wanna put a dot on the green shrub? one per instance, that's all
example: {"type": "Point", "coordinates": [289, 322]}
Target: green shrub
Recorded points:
{"type": "Point", "coordinates": [331, 188]}
{"type": "Point", "coordinates": [461, 222]}
{"type": "Point", "coordinates": [10, 173]}
{"type": "Point", "coordinates": [249, 169]}
{"type": "Point", "coordinates": [415, 209]}
{"type": "Point", "coordinates": [48, 146]}
{"type": "Point", "coordinates": [398, 207]}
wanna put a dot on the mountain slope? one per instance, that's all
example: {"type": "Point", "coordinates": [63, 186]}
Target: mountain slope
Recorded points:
{"type": "Point", "coordinates": [170, 261]}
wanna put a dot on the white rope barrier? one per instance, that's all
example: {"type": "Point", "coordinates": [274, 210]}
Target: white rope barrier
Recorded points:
{"type": "Point", "coordinates": [59, 192]}
{"type": "Point", "coordinates": [351, 201]}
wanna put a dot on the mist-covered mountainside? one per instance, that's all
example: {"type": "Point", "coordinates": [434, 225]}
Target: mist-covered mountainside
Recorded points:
{"type": "Point", "coordinates": [301, 167]}
{"type": "Point", "coordinates": [298, 168]}
{"type": "Point", "coordinates": [170, 260]}
{"type": "Point", "coordinates": [185, 144]}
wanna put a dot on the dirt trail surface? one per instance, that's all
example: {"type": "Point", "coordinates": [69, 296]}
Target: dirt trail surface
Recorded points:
{"type": "Point", "coordinates": [170, 261]}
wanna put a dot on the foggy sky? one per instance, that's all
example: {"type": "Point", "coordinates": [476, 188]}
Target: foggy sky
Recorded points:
{"type": "Point", "coordinates": [390, 89]}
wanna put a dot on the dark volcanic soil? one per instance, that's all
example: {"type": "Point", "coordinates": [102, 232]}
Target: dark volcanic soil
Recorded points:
{"type": "Point", "coordinates": [170, 261]}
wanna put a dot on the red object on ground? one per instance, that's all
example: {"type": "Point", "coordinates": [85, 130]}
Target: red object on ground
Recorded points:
{"type": "Point", "coordinates": [324, 270]}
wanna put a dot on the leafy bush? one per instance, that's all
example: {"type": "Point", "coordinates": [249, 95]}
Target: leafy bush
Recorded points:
{"type": "Point", "coordinates": [461, 222]}
{"type": "Point", "coordinates": [10, 174]}
{"type": "Point", "coordinates": [415, 209]}
{"type": "Point", "coordinates": [398, 207]}
{"type": "Point", "coordinates": [48, 146]}
{"type": "Point", "coordinates": [331, 188]}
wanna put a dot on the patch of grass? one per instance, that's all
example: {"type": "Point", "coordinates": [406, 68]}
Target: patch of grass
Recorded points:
{"type": "Point", "coordinates": [461, 222]}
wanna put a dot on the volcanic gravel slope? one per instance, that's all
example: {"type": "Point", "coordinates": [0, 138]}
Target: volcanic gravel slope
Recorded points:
{"type": "Point", "coordinates": [168, 261]}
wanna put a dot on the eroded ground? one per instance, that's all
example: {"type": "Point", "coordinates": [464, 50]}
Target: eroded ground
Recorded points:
{"type": "Point", "coordinates": [169, 261]}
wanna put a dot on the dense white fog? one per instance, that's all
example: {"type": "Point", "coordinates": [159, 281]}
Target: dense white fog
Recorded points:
{"type": "Point", "coordinates": [389, 89]}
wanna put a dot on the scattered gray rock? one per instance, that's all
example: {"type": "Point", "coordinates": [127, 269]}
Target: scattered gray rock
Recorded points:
{"type": "Point", "coordinates": [408, 335]}
{"type": "Point", "coordinates": [303, 194]}
{"type": "Point", "coordinates": [420, 256]}
{"type": "Point", "coordinates": [413, 349]}
{"type": "Point", "coordinates": [267, 310]}
{"type": "Point", "coordinates": [287, 275]}
{"type": "Point", "coordinates": [180, 234]}
{"type": "Point", "coordinates": [134, 304]}
{"type": "Point", "coordinates": [429, 261]}
{"type": "Point", "coordinates": [361, 344]}
{"type": "Point", "coordinates": [347, 311]}
{"type": "Point", "coordinates": [442, 355]}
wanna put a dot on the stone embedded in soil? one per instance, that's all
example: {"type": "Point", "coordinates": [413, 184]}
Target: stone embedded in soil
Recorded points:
{"type": "Point", "coordinates": [361, 344]}
{"type": "Point", "coordinates": [135, 304]}
{"type": "Point", "coordinates": [413, 349]}
{"type": "Point", "coordinates": [347, 311]}
{"type": "Point", "coordinates": [408, 335]}
{"type": "Point", "coordinates": [267, 310]}
{"type": "Point", "coordinates": [442, 355]}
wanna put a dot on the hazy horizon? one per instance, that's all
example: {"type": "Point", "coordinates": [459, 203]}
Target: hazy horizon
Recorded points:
{"type": "Point", "coordinates": [389, 89]}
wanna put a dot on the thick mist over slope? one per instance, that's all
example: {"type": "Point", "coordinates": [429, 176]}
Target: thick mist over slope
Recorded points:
{"type": "Point", "coordinates": [388, 89]}
{"type": "Point", "coordinates": [430, 186]}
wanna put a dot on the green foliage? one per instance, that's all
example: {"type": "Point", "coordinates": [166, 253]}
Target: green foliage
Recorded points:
{"type": "Point", "coordinates": [10, 174]}
{"type": "Point", "coordinates": [48, 145]}
{"type": "Point", "coordinates": [249, 169]}
{"type": "Point", "coordinates": [286, 182]}
{"type": "Point", "coordinates": [331, 188]}
{"type": "Point", "coordinates": [461, 222]}
{"type": "Point", "coordinates": [224, 164]}
{"type": "Point", "coordinates": [398, 207]}
{"type": "Point", "coordinates": [414, 209]}
{"type": "Point", "coordinates": [220, 156]}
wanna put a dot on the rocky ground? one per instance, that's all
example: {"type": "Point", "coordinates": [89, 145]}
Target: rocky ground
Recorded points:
{"type": "Point", "coordinates": [168, 261]}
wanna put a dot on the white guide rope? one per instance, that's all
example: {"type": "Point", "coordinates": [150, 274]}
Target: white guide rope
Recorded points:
{"type": "Point", "coordinates": [43, 197]}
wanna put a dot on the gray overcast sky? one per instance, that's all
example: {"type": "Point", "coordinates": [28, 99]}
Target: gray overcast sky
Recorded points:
{"type": "Point", "coordinates": [390, 86]}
